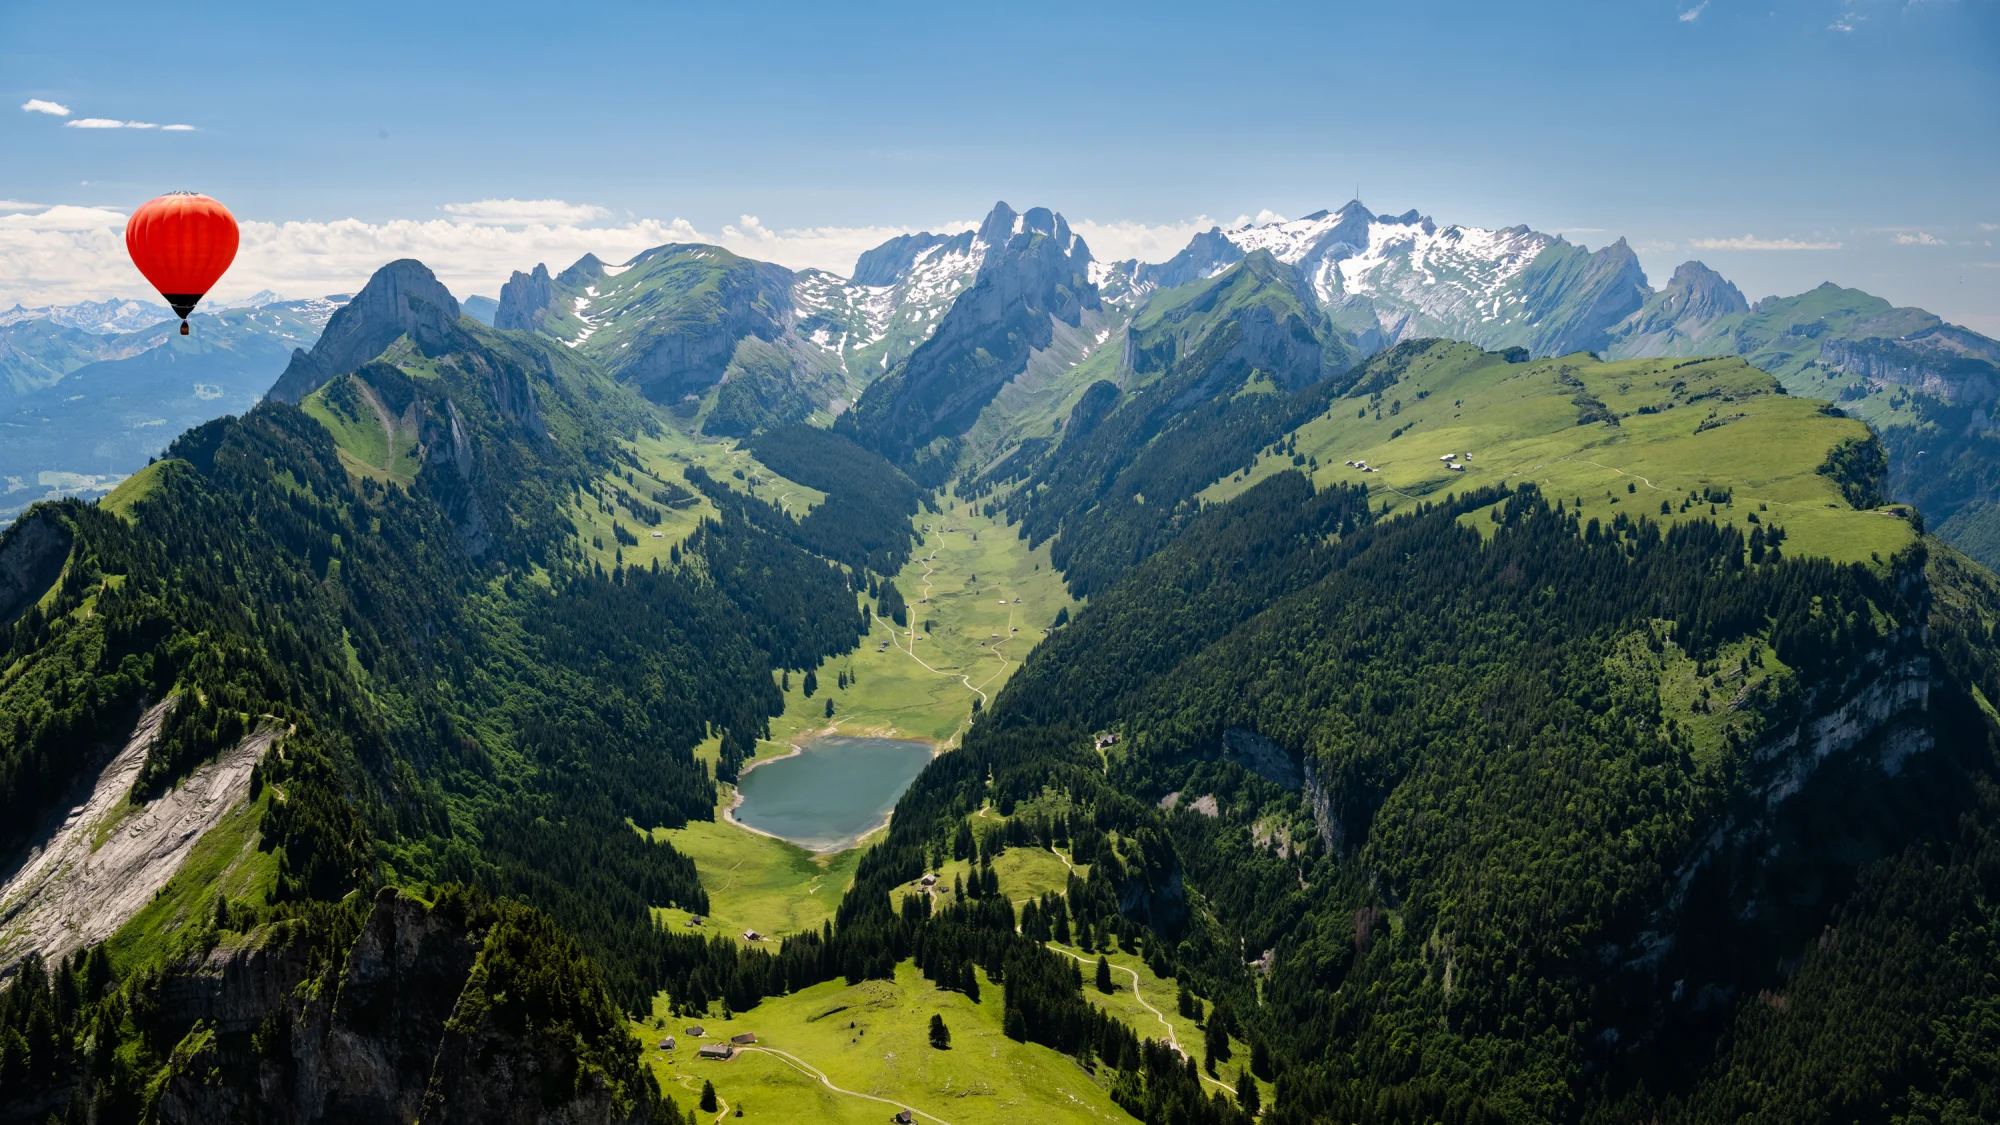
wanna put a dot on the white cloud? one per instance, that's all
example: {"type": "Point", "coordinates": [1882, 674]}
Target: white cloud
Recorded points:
{"type": "Point", "coordinates": [17, 205]}
{"type": "Point", "coordinates": [61, 255]}
{"type": "Point", "coordinates": [1148, 242]}
{"type": "Point", "coordinates": [1752, 242]}
{"type": "Point", "coordinates": [1921, 238]}
{"type": "Point", "coordinates": [64, 218]}
{"type": "Point", "coordinates": [1989, 226]}
{"type": "Point", "coordinates": [37, 105]}
{"type": "Point", "coordinates": [525, 212]}
{"type": "Point", "coordinates": [114, 123]}
{"type": "Point", "coordinates": [1845, 23]}
{"type": "Point", "coordinates": [1694, 13]}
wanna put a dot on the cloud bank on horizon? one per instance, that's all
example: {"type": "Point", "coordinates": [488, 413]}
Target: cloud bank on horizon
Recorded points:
{"type": "Point", "coordinates": [65, 254]}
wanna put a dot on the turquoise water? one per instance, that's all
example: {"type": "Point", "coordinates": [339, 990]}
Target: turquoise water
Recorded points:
{"type": "Point", "coordinates": [835, 792]}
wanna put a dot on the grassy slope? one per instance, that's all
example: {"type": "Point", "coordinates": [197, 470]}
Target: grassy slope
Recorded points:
{"type": "Point", "coordinates": [1519, 425]}
{"type": "Point", "coordinates": [984, 1077]}
{"type": "Point", "coordinates": [226, 861]}
{"type": "Point", "coordinates": [131, 490]}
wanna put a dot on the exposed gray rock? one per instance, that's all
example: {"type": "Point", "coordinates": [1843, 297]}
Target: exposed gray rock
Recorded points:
{"type": "Point", "coordinates": [1946, 361]}
{"type": "Point", "coordinates": [1581, 296]}
{"type": "Point", "coordinates": [525, 299]}
{"type": "Point", "coordinates": [403, 298]}
{"type": "Point", "coordinates": [68, 890]}
{"type": "Point", "coordinates": [32, 553]}
{"type": "Point", "coordinates": [1260, 756]}
{"type": "Point", "coordinates": [1036, 272]}
{"type": "Point", "coordinates": [889, 262]}
{"type": "Point", "coordinates": [1687, 310]}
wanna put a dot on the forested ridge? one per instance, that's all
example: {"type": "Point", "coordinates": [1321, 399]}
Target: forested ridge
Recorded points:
{"type": "Point", "coordinates": [467, 702]}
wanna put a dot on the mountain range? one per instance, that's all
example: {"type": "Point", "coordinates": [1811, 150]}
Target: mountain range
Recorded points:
{"type": "Point", "coordinates": [1368, 671]}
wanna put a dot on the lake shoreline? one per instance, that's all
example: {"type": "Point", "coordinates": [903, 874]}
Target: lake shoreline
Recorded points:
{"type": "Point", "coordinates": [729, 814]}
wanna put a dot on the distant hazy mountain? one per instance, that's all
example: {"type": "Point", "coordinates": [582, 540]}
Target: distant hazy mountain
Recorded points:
{"type": "Point", "coordinates": [115, 315]}
{"type": "Point", "coordinates": [481, 309]}
{"type": "Point", "coordinates": [80, 408]}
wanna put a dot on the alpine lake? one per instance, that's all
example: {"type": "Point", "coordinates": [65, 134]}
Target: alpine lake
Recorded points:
{"type": "Point", "coordinates": [836, 790]}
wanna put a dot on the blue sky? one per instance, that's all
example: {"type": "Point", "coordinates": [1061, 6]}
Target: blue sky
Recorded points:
{"type": "Point", "coordinates": [1730, 131]}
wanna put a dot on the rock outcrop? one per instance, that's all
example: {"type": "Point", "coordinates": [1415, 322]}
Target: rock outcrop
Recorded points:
{"type": "Point", "coordinates": [404, 298]}
{"type": "Point", "coordinates": [888, 263]}
{"type": "Point", "coordinates": [525, 300]}
{"type": "Point", "coordinates": [1581, 296]}
{"type": "Point", "coordinates": [398, 1029]}
{"type": "Point", "coordinates": [1946, 361]}
{"type": "Point", "coordinates": [1685, 314]}
{"type": "Point", "coordinates": [1036, 272]}
{"type": "Point", "coordinates": [99, 863]}
{"type": "Point", "coordinates": [32, 553]}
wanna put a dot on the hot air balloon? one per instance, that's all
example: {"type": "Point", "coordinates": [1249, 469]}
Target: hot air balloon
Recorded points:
{"type": "Point", "coordinates": [182, 242]}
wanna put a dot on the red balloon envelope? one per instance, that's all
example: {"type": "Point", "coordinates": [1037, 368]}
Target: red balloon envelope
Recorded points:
{"type": "Point", "coordinates": [182, 242]}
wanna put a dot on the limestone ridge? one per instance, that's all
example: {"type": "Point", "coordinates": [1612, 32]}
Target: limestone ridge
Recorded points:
{"type": "Point", "coordinates": [1689, 308]}
{"type": "Point", "coordinates": [890, 262]}
{"type": "Point", "coordinates": [1208, 254]}
{"type": "Point", "coordinates": [404, 298]}
{"type": "Point", "coordinates": [713, 303]}
{"type": "Point", "coordinates": [1036, 271]}
{"type": "Point", "coordinates": [1581, 296]}
{"type": "Point", "coordinates": [72, 889]}
{"type": "Point", "coordinates": [525, 299]}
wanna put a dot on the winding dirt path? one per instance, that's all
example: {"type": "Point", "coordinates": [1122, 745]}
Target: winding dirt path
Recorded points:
{"type": "Point", "coordinates": [911, 650]}
{"type": "Point", "coordinates": [811, 1071]}
{"type": "Point", "coordinates": [1173, 1040]}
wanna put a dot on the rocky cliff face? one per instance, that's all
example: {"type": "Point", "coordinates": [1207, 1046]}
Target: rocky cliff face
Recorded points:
{"type": "Point", "coordinates": [1684, 314]}
{"type": "Point", "coordinates": [388, 1033]}
{"type": "Point", "coordinates": [525, 299]}
{"type": "Point", "coordinates": [1579, 297]}
{"type": "Point", "coordinates": [404, 298]}
{"type": "Point", "coordinates": [890, 262]}
{"type": "Point", "coordinates": [1208, 254]}
{"type": "Point", "coordinates": [711, 303]}
{"type": "Point", "coordinates": [1959, 366]}
{"type": "Point", "coordinates": [1036, 273]}
{"type": "Point", "coordinates": [32, 552]}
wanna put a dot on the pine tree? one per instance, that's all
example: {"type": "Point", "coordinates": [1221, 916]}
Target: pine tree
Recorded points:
{"type": "Point", "coordinates": [1246, 1093]}
{"type": "Point", "coordinates": [941, 1038]}
{"type": "Point", "coordinates": [1104, 976]}
{"type": "Point", "coordinates": [812, 682]}
{"type": "Point", "coordinates": [708, 1095]}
